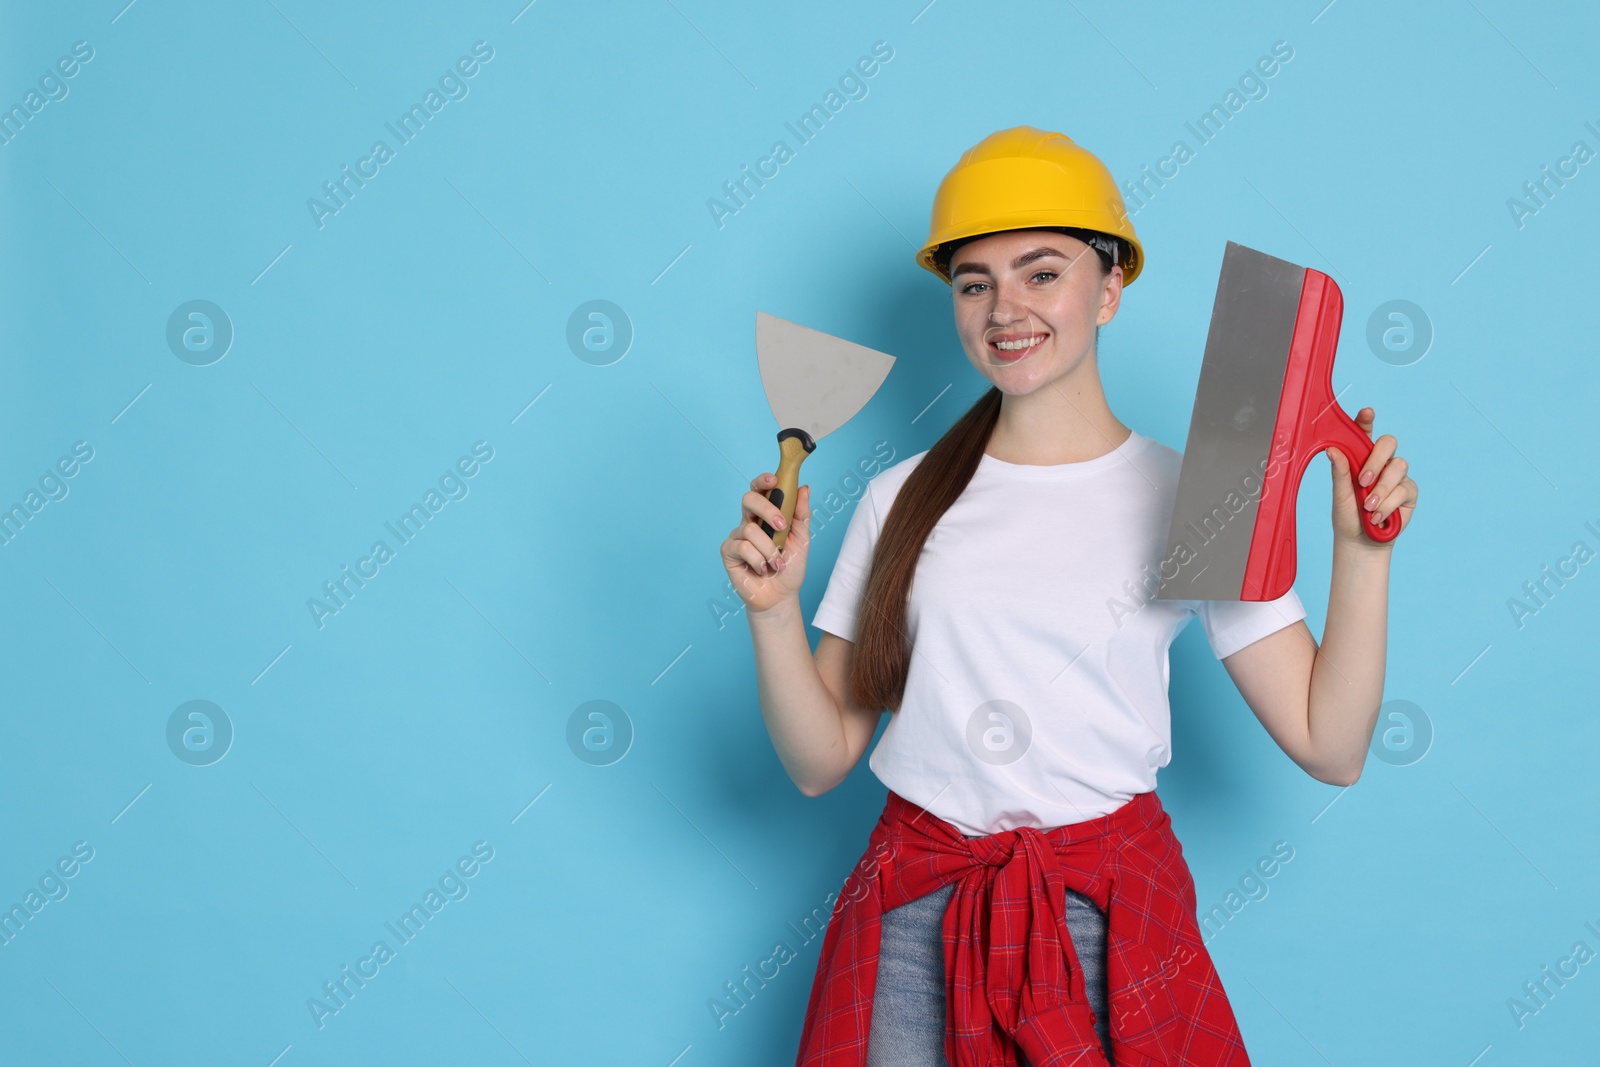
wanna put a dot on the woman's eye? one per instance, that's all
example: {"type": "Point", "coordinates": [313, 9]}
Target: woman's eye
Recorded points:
{"type": "Point", "coordinates": [972, 286]}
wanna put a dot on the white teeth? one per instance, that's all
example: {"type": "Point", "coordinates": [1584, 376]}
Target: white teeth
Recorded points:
{"type": "Point", "coordinates": [1014, 346]}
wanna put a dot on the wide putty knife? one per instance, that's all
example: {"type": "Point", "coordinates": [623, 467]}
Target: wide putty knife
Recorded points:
{"type": "Point", "coordinates": [815, 384]}
{"type": "Point", "coordinates": [1263, 408]}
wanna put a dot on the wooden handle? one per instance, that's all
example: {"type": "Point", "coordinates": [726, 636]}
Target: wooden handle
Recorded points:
{"type": "Point", "coordinates": [794, 445]}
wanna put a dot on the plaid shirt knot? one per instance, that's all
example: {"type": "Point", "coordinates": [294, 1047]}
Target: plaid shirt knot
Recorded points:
{"type": "Point", "coordinates": [1012, 979]}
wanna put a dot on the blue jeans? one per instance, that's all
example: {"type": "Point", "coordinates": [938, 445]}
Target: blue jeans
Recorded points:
{"type": "Point", "coordinates": [908, 1006]}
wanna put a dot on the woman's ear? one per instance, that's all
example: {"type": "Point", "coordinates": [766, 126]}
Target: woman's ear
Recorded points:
{"type": "Point", "coordinates": [1111, 295]}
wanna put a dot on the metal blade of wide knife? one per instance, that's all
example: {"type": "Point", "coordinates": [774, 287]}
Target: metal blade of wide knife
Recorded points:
{"type": "Point", "coordinates": [1230, 430]}
{"type": "Point", "coordinates": [813, 380]}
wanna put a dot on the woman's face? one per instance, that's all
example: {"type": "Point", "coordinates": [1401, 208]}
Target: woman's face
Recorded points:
{"type": "Point", "coordinates": [1027, 303]}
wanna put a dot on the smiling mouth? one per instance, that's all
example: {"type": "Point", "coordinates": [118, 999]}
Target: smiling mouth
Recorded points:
{"type": "Point", "coordinates": [1015, 347]}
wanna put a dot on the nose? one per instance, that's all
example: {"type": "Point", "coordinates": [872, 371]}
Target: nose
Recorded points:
{"type": "Point", "coordinates": [1008, 312]}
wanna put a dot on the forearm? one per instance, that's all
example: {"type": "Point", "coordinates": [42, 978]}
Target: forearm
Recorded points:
{"type": "Point", "coordinates": [802, 717]}
{"type": "Point", "coordinates": [1347, 676]}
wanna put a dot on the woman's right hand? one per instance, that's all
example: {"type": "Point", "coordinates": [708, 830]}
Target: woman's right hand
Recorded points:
{"type": "Point", "coordinates": [761, 574]}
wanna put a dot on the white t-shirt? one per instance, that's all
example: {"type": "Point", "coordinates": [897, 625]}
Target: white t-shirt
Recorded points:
{"type": "Point", "coordinates": [1037, 692]}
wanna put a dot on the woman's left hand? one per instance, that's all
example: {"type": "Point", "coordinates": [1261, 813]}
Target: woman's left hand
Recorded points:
{"type": "Point", "coordinates": [1387, 489]}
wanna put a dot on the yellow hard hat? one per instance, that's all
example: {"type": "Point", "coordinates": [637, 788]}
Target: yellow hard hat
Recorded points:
{"type": "Point", "coordinates": [1026, 178]}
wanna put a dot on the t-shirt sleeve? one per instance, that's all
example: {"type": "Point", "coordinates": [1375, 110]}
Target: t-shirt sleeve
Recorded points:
{"type": "Point", "coordinates": [1232, 624]}
{"type": "Point", "coordinates": [841, 600]}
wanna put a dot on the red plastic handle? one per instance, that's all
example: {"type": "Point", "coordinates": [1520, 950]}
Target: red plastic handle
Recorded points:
{"type": "Point", "coordinates": [1322, 422]}
{"type": "Point", "coordinates": [1309, 420]}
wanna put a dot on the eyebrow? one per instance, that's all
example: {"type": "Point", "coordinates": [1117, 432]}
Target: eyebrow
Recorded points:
{"type": "Point", "coordinates": [1021, 261]}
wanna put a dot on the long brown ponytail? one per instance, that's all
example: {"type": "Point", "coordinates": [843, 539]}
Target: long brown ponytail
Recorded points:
{"type": "Point", "coordinates": [883, 650]}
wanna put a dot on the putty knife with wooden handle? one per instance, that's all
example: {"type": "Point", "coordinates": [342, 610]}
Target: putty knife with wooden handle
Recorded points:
{"type": "Point", "coordinates": [1264, 407]}
{"type": "Point", "coordinates": [815, 384]}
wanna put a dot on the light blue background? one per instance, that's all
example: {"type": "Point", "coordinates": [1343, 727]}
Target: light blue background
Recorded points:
{"type": "Point", "coordinates": [432, 310]}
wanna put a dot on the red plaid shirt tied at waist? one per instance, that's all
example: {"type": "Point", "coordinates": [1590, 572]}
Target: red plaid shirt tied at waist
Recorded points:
{"type": "Point", "coordinates": [1011, 973]}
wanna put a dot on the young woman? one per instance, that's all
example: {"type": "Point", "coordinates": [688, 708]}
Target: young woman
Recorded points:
{"type": "Point", "coordinates": [1022, 898]}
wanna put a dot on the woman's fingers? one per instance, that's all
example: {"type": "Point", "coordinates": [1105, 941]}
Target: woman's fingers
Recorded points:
{"type": "Point", "coordinates": [1369, 470]}
{"type": "Point", "coordinates": [765, 550]}
{"type": "Point", "coordinates": [1383, 476]}
{"type": "Point", "coordinates": [1389, 475]}
{"type": "Point", "coordinates": [1384, 497]}
{"type": "Point", "coordinates": [1382, 449]}
{"type": "Point", "coordinates": [754, 545]}
{"type": "Point", "coordinates": [754, 559]}
{"type": "Point", "coordinates": [740, 547]}
{"type": "Point", "coordinates": [756, 503]}
{"type": "Point", "coordinates": [1400, 501]}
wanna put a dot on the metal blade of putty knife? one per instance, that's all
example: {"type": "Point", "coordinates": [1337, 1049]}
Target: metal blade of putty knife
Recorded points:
{"type": "Point", "coordinates": [815, 383]}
